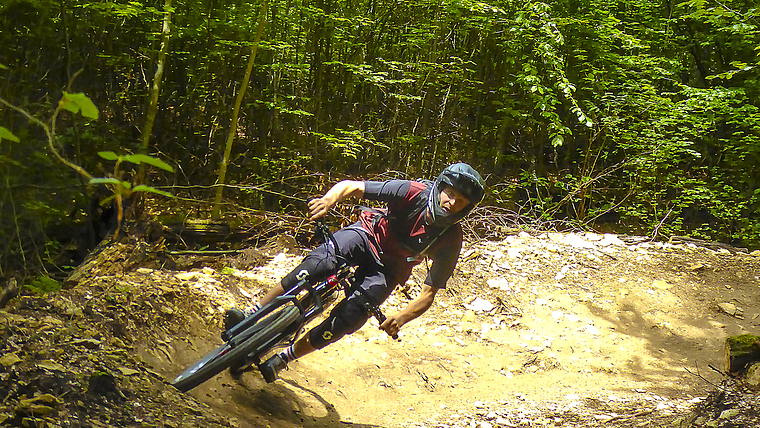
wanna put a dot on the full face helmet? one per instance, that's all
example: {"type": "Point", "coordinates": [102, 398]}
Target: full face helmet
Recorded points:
{"type": "Point", "coordinates": [466, 181]}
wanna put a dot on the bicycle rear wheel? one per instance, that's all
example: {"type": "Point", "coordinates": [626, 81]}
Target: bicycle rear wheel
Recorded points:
{"type": "Point", "coordinates": [225, 355]}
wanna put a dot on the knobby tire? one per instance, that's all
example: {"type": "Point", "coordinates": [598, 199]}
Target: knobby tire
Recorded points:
{"type": "Point", "coordinates": [224, 356]}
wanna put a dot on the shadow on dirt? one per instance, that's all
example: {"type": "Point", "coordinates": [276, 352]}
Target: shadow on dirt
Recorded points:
{"type": "Point", "coordinates": [254, 403]}
{"type": "Point", "coordinates": [284, 406]}
{"type": "Point", "coordinates": [675, 353]}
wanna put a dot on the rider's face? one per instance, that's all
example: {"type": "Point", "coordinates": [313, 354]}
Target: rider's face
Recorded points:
{"type": "Point", "coordinates": [452, 201]}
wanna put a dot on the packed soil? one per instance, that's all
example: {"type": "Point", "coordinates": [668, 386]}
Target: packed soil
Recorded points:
{"type": "Point", "coordinates": [536, 329]}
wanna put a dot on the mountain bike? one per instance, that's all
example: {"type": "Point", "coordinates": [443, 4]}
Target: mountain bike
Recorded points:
{"type": "Point", "coordinates": [278, 323]}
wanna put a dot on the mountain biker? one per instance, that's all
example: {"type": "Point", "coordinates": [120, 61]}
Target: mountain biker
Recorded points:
{"type": "Point", "coordinates": [421, 220]}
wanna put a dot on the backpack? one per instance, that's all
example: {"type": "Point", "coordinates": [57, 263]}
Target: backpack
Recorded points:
{"type": "Point", "coordinates": [400, 224]}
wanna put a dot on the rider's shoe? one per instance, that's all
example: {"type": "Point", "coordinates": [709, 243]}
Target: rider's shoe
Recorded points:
{"type": "Point", "coordinates": [271, 367]}
{"type": "Point", "coordinates": [233, 316]}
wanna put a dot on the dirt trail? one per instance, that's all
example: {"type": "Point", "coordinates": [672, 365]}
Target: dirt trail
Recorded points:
{"type": "Point", "coordinates": [554, 318]}
{"type": "Point", "coordinates": [551, 329]}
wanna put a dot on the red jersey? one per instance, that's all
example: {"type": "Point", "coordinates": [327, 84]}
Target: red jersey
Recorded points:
{"type": "Point", "coordinates": [401, 237]}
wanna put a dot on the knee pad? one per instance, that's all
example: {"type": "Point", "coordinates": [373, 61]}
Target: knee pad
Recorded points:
{"type": "Point", "coordinates": [347, 317]}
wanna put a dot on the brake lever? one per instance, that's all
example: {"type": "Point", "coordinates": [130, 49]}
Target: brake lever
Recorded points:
{"type": "Point", "coordinates": [326, 234]}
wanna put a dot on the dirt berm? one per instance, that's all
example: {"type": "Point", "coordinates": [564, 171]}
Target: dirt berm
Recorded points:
{"type": "Point", "coordinates": [543, 329]}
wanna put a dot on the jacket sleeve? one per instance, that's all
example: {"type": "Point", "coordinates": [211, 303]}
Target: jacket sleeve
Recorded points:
{"type": "Point", "coordinates": [386, 191]}
{"type": "Point", "coordinates": [445, 258]}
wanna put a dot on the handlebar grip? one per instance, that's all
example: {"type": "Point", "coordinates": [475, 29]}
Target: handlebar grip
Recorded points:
{"type": "Point", "coordinates": [381, 319]}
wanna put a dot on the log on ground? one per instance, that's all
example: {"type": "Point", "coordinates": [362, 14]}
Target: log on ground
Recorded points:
{"type": "Point", "coordinates": [741, 352]}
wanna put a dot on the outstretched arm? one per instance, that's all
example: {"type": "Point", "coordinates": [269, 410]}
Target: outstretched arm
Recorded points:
{"type": "Point", "coordinates": [318, 207]}
{"type": "Point", "coordinates": [418, 307]}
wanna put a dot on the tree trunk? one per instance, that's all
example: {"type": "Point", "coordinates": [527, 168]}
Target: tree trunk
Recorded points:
{"type": "Point", "coordinates": [11, 291]}
{"type": "Point", "coordinates": [155, 88]}
{"type": "Point", "coordinates": [235, 111]}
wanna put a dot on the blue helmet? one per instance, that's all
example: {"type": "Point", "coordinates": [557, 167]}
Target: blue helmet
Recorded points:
{"type": "Point", "coordinates": [466, 181]}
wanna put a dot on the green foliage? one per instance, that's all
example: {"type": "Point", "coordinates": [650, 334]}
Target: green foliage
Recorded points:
{"type": "Point", "coordinates": [123, 188]}
{"type": "Point", "coordinates": [350, 143]}
{"type": "Point", "coordinates": [44, 285]}
{"type": "Point", "coordinates": [42, 217]}
{"type": "Point", "coordinates": [79, 102]}
{"type": "Point", "coordinates": [8, 135]}
{"type": "Point", "coordinates": [137, 160]}
{"type": "Point", "coordinates": [572, 109]}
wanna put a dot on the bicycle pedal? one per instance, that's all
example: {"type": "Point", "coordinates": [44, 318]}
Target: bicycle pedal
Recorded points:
{"type": "Point", "coordinates": [237, 371]}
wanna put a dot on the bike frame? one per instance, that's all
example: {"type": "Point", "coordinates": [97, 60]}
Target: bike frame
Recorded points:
{"type": "Point", "coordinates": [307, 297]}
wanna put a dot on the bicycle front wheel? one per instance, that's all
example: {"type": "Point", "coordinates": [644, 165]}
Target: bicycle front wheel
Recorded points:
{"type": "Point", "coordinates": [224, 356]}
